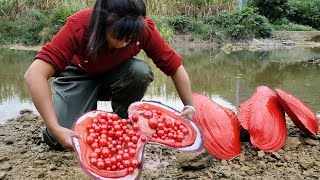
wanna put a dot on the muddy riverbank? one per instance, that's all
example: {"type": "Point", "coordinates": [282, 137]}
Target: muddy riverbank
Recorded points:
{"type": "Point", "coordinates": [23, 155]}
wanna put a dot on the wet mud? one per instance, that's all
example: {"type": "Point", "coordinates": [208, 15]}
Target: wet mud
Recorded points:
{"type": "Point", "coordinates": [23, 155]}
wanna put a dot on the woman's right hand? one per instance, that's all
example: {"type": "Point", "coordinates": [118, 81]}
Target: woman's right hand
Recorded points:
{"type": "Point", "coordinates": [36, 78]}
{"type": "Point", "coordinates": [64, 135]}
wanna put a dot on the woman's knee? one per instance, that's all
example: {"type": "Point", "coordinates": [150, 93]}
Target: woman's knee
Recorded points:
{"type": "Point", "coordinates": [140, 71]}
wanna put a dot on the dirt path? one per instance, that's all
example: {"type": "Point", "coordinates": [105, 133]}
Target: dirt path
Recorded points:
{"type": "Point", "coordinates": [280, 39]}
{"type": "Point", "coordinates": [23, 155]}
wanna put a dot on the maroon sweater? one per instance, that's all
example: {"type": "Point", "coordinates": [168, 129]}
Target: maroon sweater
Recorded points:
{"type": "Point", "coordinates": [68, 47]}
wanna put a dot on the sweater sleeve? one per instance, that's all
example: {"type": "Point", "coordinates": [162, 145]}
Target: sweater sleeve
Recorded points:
{"type": "Point", "coordinates": [164, 57]}
{"type": "Point", "coordinates": [63, 46]}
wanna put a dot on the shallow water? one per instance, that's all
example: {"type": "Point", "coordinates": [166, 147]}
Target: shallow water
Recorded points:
{"type": "Point", "coordinates": [229, 79]}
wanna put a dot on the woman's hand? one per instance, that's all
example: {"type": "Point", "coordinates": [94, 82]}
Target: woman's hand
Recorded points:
{"type": "Point", "coordinates": [64, 135]}
{"type": "Point", "coordinates": [188, 112]}
{"type": "Point", "coordinates": [37, 82]}
{"type": "Point", "coordinates": [183, 87]}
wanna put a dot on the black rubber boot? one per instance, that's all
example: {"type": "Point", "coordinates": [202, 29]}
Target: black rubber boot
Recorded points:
{"type": "Point", "coordinates": [49, 140]}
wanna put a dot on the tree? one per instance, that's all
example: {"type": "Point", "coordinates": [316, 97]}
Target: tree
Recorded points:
{"type": "Point", "coordinates": [272, 9]}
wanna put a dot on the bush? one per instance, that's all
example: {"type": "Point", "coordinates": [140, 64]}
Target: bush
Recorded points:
{"type": "Point", "coordinates": [163, 27]}
{"type": "Point", "coordinates": [34, 27]}
{"type": "Point", "coordinates": [32, 22]}
{"type": "Point", "coordinates": [56, 20]}
{"type": "Point", "coordinates": [184, 24]}
{"type": "Point", "coordinates": [296, 11]}
{"type": "Point", "coordinates": [305, 12]}
{"type": "Point", "coordinates": [242, 25]}
{"type": "Point", "coordinates": [5, 8]}
{"type": "Point", "coordinates": [258, 24]}
{"type": "Point", "coordinates": [272, 9]}
{"type": "Point", "coordinates": [24, 29]}
{"type": "Point", "coordinates": [179, 23]}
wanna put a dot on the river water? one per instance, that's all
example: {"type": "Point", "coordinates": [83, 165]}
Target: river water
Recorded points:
{"type": "Point", "coordinates": [227, 78]}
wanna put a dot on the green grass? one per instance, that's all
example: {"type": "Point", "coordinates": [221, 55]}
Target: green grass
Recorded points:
{"type": "Point", "coordinates": [292, 27]}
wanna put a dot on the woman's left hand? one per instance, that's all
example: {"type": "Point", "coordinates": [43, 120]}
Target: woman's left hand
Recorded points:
{"type": "Point", "coordinates": [188, 113]}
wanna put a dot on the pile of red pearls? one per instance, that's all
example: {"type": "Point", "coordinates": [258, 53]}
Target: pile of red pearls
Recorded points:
{"type": "Point", "coordinates": [167, 128]}
{"type": "Point", "coordinates": [113, 142]}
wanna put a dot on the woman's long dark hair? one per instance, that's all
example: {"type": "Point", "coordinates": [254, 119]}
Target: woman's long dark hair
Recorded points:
{"type": "Point", "coordinates": [125, 19]}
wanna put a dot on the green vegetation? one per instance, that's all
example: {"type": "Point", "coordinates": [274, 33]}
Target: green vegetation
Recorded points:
{"type": "Point", "coordinates": [244, 24]}
{"type": "Point", "coordinates": [292, 27]}
{"type": "Point", "coordinates": [30, 22]}
{"type": "Point", "coordinates": [305, 12]}
{"type": "Point", "coordinates": [271, 9]}
{"type": "Point", "coordinates": [290, 14]}
{"type": "Point", "coordinates": [225, 25]}
{"type": "Point", "coordinates": [163, 27]}
{"type": "Point", "coordinates": [24, 29]}
{"type": "Point", "coordinates": [34, 22]}
{"type": "Point", "coordinates": [190, 8]}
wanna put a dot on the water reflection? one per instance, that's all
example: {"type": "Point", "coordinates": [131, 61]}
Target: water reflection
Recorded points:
{"type": "Point", "coordinates": [12, 67]}
{"type": "Point", "coordinates": [235, 76]}
{"type": "Point", "coordinates": [229, 79]}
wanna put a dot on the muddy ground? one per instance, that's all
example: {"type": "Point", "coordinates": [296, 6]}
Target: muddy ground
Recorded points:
{"type": "Point", "coordinates": [23, 155]}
